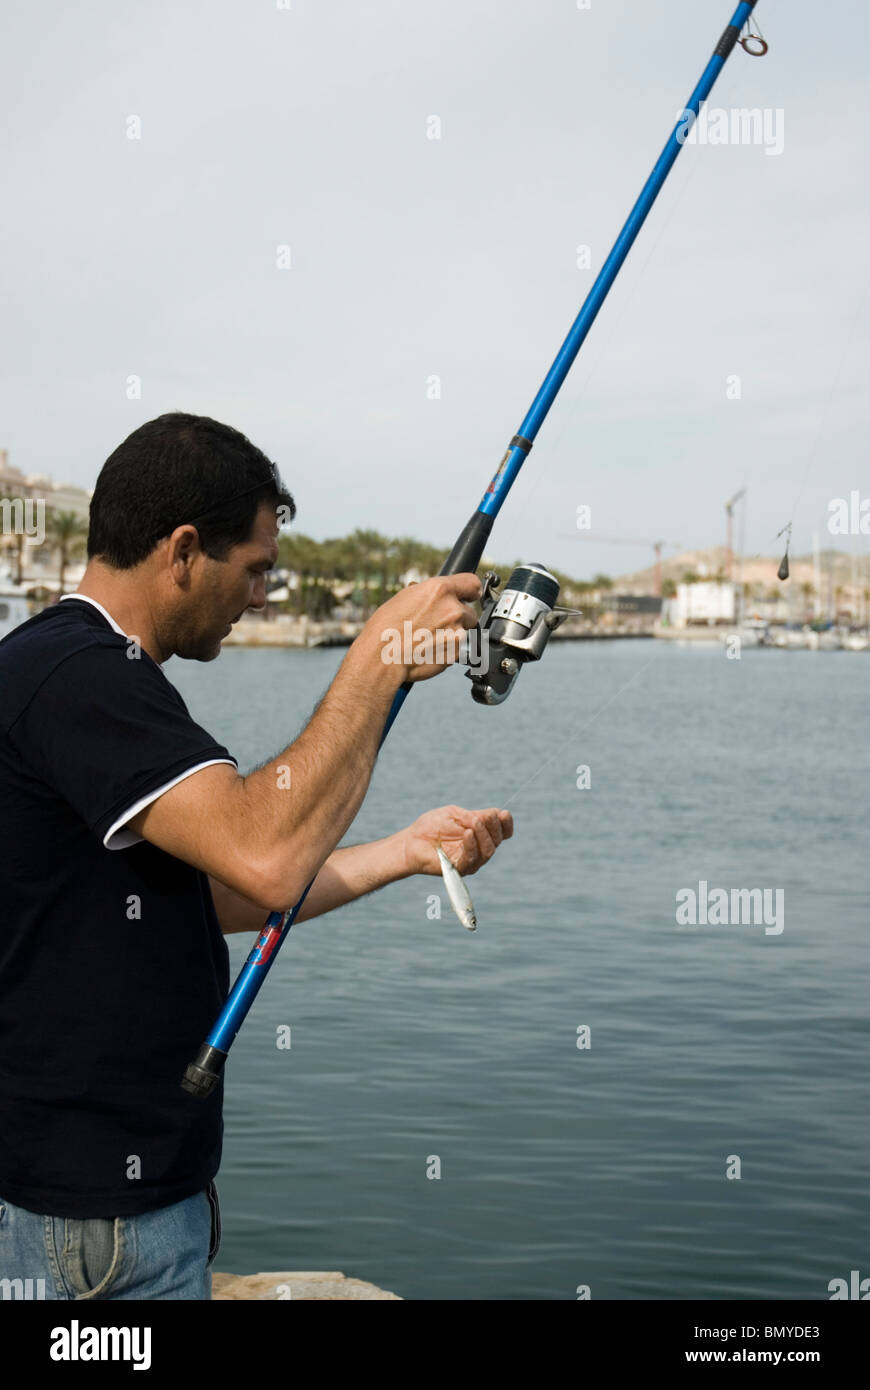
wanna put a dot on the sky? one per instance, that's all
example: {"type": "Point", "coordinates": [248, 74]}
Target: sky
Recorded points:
{"type": "Point", "coordinates": [307, 126]}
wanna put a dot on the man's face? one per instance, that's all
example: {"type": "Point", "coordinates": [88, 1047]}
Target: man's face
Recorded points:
{"type": "Point", "coordinates": [224, 589]}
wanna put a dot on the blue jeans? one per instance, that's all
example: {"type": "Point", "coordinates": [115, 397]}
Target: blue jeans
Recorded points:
{"type": "Point", "coordinates": [167, 1253]}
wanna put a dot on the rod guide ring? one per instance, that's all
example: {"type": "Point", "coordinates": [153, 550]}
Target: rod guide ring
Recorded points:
{"type": "Point", "coordinates": [751, 39]}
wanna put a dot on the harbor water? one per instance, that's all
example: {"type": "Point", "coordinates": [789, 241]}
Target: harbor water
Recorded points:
{"type": "Point", "coordinates": [708, 1137]}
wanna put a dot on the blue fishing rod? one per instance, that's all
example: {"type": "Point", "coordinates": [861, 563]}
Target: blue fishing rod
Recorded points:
{"type": "Point", "coordinates": [518, 624]}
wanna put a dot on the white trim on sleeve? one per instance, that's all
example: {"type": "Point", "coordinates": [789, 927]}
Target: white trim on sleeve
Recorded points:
{"type": "Point", "coordinates": [118, 838]}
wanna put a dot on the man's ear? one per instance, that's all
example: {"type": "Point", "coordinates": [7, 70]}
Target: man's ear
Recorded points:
{"type": "Point", "coordinates": [182, 551]}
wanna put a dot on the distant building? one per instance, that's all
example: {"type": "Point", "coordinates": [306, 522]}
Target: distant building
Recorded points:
{"type": "Point", "coordinates": [704, 604]}
{"type": "Point", "coordinates": [774, 607]}
{"type": "Point", "coordinates": [12, 482]}
{"type": "Point", "coordinates": [646, 604]}
{"type": "Point", "coordinates": [60, 497]}
{"type": "Point", "coordinates": [24, 554]}
{"type": "Point", "coordinates": [628, 612]}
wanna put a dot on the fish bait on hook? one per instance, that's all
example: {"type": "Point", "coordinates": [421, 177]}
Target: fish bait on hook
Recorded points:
{"type": "Point", "coordinates": [782, 572]}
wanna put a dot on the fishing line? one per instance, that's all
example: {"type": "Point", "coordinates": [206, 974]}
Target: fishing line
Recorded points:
{"type": "Point", "coordinates": [823, 419]}
{"type": "Point", "coordinates": [573, 735]}
{"type": "Point", "coordinates": [570, 415]}
{"type": "Point", "coordinates": [741, 537]}
{"type": "Point", "coordinates": [580, 397]}
{"type": "Point", "coordinates": [519, 622]}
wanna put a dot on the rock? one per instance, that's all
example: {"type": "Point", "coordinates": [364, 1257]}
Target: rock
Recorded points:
{"type": "Point", "coordinates": [295, 1285]}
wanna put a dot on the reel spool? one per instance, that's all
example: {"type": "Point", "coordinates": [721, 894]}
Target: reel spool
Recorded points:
{"type": "Point", "coordinates": [514, 629]}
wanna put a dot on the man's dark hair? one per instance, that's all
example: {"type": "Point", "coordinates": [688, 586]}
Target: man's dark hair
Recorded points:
{"type": "Point", "coordinates": [175, 470]}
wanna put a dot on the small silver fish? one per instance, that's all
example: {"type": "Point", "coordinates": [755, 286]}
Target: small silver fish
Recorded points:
{"type": "Point", "coordinates": [457, 892]}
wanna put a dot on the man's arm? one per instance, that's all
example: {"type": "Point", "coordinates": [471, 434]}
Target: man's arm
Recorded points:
{"type": "Point", "coordinates": [470, 838]}
{"type": "Point", "coordinates": [348, 873]}
{"type": "Point", "coordinates": [266, 835]}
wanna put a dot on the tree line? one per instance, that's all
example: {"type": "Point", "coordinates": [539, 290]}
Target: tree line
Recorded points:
{"type": "Point", "coordinates": [368, 568]}
{"type": "Point", "coordinates": [364, 568]}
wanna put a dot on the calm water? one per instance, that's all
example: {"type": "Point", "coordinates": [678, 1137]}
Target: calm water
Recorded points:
{"type": "Point", "coordinates": [412, 1037]}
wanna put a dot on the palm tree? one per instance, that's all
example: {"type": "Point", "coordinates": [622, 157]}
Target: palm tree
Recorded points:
{"type": "Point", "coordinates": [350, 558]}
{"type": "Point", "coordinates": [328, 561]}
{"type": "Point", "coordinates": [296, 554]}
{"type": "Point", "coordinates": [430, 558]}
{"type": "Point", "coordinates": [67, 532]}
{"type": "Point", "coordinates": [19, 557]}
{"type": "Point", "coordinates": [406, 555]}
{"type": "Point", "coordinates": [372, 549]}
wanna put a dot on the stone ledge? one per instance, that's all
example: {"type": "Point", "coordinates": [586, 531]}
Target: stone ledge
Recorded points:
{"type": "Point", "coordinates": [293, 1286]}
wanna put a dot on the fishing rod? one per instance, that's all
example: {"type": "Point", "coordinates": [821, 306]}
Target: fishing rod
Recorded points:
{"type": "Point", "coordinates": [516, 627]}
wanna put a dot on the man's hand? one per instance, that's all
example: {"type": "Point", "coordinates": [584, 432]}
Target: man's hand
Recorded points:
{"type": "Point", "coordinates": [468, 838]}
{"type": "Point", "coordinates": [419, 630]}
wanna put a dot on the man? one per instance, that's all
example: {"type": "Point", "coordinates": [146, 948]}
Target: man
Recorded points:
{"type": "Point", "coordinates": [130, 843]}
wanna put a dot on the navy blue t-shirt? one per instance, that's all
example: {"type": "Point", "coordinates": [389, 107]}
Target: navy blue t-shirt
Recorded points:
{"type": "Point", "coordinates": [112, 963]}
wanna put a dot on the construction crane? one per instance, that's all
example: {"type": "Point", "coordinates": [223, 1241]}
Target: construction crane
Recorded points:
{"type": "Point", "coordinates": [729, 513]}
{"type": "Point", "coordinates": [657, 547]}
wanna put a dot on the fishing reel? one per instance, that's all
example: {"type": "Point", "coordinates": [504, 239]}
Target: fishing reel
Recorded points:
{"type": "Point", "coordinates": [513, 629]}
